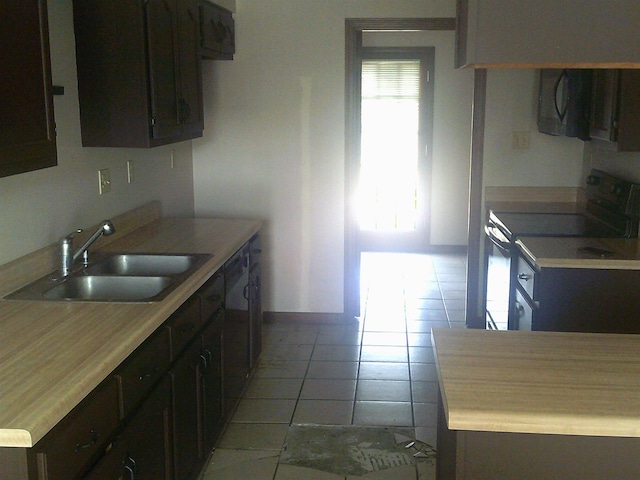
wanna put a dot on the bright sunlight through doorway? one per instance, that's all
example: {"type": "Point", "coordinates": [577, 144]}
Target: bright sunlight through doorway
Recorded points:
{"type": "Point", "coordinates": [389, 145]}
{"type": "Point", "coordinates": [396, 117]}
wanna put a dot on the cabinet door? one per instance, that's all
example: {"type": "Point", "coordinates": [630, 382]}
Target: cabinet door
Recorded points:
{"type": "Point", "coordinates": [147, 437]}
{"type": "Point", "coordinates": [604, 104]}
{"type": "Point", "coordinates": [185, 393]}
{"type": "Point", "coordinates": [255, 315]}
{"type": "Point", "coordinates": [142, 370]}
{"type": "Point", "coordinates": [67, 451]}
{"type": "Point", "coordinates": [111, 466]}
{"type": "Point", "coordinates": [184, 324]}
{"type": "Point", "coordinates": [524, 313]}
{"type": "Point", "coordinates": [27, 135]}
{"type": "Point", "coordinates": [217, 32]}
{"type": "Point", "coordinates": [190, 98]}
{"type": "Point", "coordinates": [236, 328]}
{"type": "Point", "coordinates": [143, 450]}
{"type": "Point", "coordinates": [629, 111]}
{"type": "Point", "coordinates": [162, 21]}
{"type": "Point", "coordinates": [615, 113]}
{"type": "Point", "coordinates": [211, 383]}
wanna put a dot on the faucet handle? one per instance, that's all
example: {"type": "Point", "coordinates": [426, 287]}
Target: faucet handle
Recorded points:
{"type": "Point", "coordinates": [69, 238]}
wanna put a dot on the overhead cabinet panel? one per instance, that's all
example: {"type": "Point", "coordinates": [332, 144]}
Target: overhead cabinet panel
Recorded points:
{"type": "Point", "coordinates": [528, 33]}
{"type": "Point", "coordinates": [217, 32]}
{"type": "Point", "coordinates": [139, 78]}
{"type": "Point", "coordinates": [27, 135]}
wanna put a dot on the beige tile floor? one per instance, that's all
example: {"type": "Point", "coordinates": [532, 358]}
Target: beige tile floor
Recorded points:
{"type": "Point", "coordinates": [378, 371]}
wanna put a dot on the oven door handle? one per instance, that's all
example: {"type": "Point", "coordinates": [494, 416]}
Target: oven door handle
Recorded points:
{"type": "Point", "coordinates": [498, 238]}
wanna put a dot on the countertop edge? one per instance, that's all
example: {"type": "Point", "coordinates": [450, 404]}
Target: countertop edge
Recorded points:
{"type": "Point", "coordinates": [560, 383]}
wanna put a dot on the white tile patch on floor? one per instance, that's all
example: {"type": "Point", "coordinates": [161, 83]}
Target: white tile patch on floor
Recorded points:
{"type": "Point", "coordinates": [378, 371]}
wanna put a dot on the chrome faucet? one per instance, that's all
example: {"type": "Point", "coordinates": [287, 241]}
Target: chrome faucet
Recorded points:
{"type": "Point", "coordinates": [68, 256]}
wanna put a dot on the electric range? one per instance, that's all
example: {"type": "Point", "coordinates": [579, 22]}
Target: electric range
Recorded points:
{"type": "Point", "coordinates": [612, 210]}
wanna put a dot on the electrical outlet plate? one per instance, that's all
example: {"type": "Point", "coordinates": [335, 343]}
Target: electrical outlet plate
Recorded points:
{"type": "Point", "coordinates": [104, 181]}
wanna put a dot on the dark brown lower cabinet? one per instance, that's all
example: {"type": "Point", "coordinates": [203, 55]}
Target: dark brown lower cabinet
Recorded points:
{"type": "Point", "coordinates": [255, 315]}
{"type": "Point", "coordinates": [197, 399]}
{"type": "Point", "coordinates": [160, 413]}
{"type": "Point", "coordinates": [185, 385]}
{"type": "Point", "coordinates": [590, 300]}
{"type": "Point", "coordinates": [143, 450]}
{"type": "Point", "coordinates": [211, 407]}
{"type": "Point", "coordinates": [69, 450]}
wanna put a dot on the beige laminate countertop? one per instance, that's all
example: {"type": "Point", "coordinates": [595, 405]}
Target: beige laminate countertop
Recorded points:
{"type": "Point", "coordinates": [52, 354]}
{"type": "Point", "coordinates": [540, 382]}
{"type": "Point", "coordinates": [567, 252]}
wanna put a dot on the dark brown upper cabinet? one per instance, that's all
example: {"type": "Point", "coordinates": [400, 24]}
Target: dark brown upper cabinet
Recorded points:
{"type": "Point", "coordinates": [217, 32]}
{"type": "Point", "coordinates": [28, 134]}
{"type": "Point", "coordinates": [139, 72]}
{"type": "Point", "coordinates": [551, 34]}
{"type": "Point", "coordinates": [615, 114]}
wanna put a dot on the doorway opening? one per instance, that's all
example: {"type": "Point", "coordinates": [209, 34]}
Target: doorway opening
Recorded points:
{"type": "Point", "coordinates": [354, 29]}
{"type": "Point", "coordinates": [396, 106]}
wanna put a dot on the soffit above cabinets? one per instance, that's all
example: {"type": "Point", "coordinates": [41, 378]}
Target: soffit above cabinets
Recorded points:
{"type": "Point", "coordinates": [535, 34]}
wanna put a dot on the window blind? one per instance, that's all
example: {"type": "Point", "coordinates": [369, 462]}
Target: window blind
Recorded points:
{"type": "Point", "coordinates": [391, 79]}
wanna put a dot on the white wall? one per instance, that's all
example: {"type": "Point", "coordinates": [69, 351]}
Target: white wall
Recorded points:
{"type": "Point", "coordinates": [512, 106]}
{"type": "Point", "coordinates": [38, 208]}
{"type": "Point", "coordinates": [601, 155]}
{"type": "Point", "coordinates": [274, 144]}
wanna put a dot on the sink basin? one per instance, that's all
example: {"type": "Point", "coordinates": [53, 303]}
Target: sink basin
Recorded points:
{"type": "Point", "coordinates": [143, 264]}
{"type": "Point", "coordinates": [108, 288]}
{"type": "Point", "coordinates": [116, 277]}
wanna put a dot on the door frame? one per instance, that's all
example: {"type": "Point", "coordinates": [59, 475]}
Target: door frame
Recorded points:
{"type": "Point", "coordinates": [354, 27]}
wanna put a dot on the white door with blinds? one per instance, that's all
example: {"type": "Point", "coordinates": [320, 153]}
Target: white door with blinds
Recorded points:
{"type": "Point", "coordinates": [396, 121]}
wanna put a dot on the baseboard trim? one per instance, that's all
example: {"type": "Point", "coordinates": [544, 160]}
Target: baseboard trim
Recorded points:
{"type": "Point", "coordinates": [431, 249]}
{"type": "Point", "coordinates": [444, 249]}
{"type": "Point", "coordinates": [307, 317]}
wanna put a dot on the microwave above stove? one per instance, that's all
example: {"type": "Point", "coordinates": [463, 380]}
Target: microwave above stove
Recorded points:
{"type": "Point", "coordinates": [564, 102]}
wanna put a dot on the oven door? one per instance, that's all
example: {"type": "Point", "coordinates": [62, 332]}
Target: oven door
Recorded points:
{"type": "Point", "coordinates": [498, 268]}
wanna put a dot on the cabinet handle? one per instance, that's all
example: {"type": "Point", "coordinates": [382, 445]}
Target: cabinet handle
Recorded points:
{"type": "Point", "coordinates": [92, 441]}
{"type": "Point", "coordinates": [209, 355]}
{"type": "Point", "coordinates": [245, 292]}
{"type": "Point", "coordinates": [205, 363]}
{"type": "Point", "coordinates": [185, 109]}
{"type": "Point", "coordinates": [524, 276]}
{"type": "Point", "coordinates": [132, 474]}
{"type": "Point", "coordinates": [132, 467]}
{"type": "Point", "coordinates": [152, 373]}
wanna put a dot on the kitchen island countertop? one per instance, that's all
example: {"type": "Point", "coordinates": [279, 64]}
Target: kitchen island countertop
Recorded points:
{"type": "Point", "coordinates": [539, 382]}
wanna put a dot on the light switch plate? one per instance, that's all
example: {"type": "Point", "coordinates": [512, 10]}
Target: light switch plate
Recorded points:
{"type": "Point", "coordinates": [104, 181]}
{"type": "Point", "coordinates": [520, 140]}
{"type": "Point", "coordinates": [130, 174]}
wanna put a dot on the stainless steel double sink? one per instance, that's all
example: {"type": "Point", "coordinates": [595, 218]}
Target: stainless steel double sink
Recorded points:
{"type": "Point", "coordinates": [116, 277]}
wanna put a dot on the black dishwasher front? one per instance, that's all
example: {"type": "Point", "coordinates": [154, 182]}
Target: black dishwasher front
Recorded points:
{"type": "Point", "coordinates": [236, 327]}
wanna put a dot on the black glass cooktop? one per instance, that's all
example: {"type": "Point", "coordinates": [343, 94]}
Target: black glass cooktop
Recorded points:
{"type": "Point", "coordinates": [551, 225]}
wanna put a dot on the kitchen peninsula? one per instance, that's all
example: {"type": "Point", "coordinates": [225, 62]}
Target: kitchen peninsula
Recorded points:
{"type": "Point", "coordinates": [537, 405]}
{"type": "Point", "coordinates": [56, 355]}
